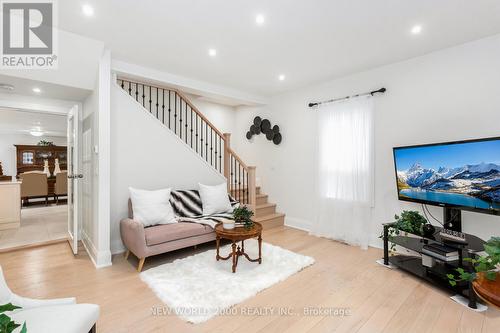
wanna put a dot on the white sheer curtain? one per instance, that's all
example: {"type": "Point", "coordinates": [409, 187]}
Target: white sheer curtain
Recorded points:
{"type": "Point", "coordinates": [344, 181]}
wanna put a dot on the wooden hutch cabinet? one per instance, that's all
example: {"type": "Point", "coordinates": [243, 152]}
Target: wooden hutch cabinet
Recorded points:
{"type": "Point", "coordinates": [32, 157]}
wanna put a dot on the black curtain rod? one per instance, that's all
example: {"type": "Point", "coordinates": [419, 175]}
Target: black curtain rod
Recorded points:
{"type": "Point", "coordinates": [379, 91]}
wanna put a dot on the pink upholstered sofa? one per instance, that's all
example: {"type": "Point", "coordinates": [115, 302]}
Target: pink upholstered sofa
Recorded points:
{"type": "Point", "coordinates": [145, 242]}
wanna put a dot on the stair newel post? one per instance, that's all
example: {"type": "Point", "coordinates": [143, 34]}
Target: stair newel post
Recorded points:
{"type": "Point", "coordinates": [252, 189]}
{"type": "Point", "coordinates": [227, 156]}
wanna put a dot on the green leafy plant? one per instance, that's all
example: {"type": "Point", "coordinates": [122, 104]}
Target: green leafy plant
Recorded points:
{"type": "Point", "coordinates": [409, 221]}
{"type": "Point", "coordinates": [487, 264]}
{"type": "Point", "coordinates": [45, 143]}
{"type": "Point", "coordinates": [7, 325]}
{"type": "Point", "coordinates": [243, 215]}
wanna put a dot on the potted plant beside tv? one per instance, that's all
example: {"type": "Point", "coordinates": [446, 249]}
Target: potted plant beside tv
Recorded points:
{"type": "Point", "coordinates": [486, 275]}
{"type": "Point", "coordinates": [409, 221]}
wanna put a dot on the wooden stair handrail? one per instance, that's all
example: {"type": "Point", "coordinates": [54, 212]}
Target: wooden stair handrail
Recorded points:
{"type": "Point", "coordinates": [202, 116]}
{"type": "Point", "coordinates": [231, 152]}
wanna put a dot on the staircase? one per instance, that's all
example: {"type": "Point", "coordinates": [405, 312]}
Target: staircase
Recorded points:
{"type": "Point", "coordinates": [265, 212]}
{"type": "Point", "coordinates": [175, 111]}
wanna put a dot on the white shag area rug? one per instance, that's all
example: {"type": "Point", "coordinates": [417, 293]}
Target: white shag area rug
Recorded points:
{"type": "Point", "coordinates": [198, 287]}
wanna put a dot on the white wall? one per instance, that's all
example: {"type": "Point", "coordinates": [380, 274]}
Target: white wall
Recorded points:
{"type": "Point", "coordinates": [96, 206]}
{"type": "Point", "coordinates": [448, 95]}
{"type": "Point", "coordinates": [145, 154]}
{"type": "Point", "coordinates": [8, 151]}
{"type": "Point", "coordinates": [78, 60]}
{"type": "Point", "coordinates": [222, 116]}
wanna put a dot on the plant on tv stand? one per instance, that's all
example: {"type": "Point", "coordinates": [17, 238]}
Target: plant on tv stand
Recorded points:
{"type": "Point", "coordinates": [409, 221]}
{"type": "Point", "coordinates": [487, 265]}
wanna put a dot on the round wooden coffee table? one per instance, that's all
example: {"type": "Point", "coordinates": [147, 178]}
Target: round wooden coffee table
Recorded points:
{"type": "Point", "coordinates": [236, 235]}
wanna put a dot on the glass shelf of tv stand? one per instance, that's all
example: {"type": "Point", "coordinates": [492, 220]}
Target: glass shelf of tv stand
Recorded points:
{"type": "Point", "coordinates": [436, 275]}
{"type": "Point", "coordinates": [415, 241]}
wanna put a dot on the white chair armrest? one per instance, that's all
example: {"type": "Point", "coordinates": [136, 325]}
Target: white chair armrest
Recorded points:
{"type": "Point", "coordinates": [30, 303]}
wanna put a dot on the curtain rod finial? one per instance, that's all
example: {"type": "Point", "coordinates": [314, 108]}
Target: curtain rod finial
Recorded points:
{"type": "Point", "coordinates": [313, 104]}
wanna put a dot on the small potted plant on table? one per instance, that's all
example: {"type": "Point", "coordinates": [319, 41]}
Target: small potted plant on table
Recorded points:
{"type": "Point", "coordinates": [243, 216]}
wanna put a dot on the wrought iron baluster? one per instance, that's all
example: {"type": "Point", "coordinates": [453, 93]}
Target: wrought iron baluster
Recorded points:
{"type": "Point", "coordinates": [157, 104]}
{"type": "Point", "coordinates": [201, 135]}
{"type": "Point", "coordinates": [169, 109]}
{"type": "Point", "coordinates": [215, 151]}
{"type": "Point", "coordinates": [191, 109]}
{"type": "Point", "coordinates": [143, 97]}
{"type": "Point", "coordinates": [150, 109]}
{"type": "Point", "coordinates": [231, 186]}
{"type": "Point", "coordinates": [235, 182]}
{"type": "Point", "coordinates": [244, 185]}
{"type": "Point", "coordinates": [163, 107]}
{"type": "Point", "coordinates": [129, 88]}
{"type": "Point", "coordinates": [196, 132]}
{"type": "Point", "coordinates": [175, 113]}
{"type": "Point", "coordinates": [123, 85]}
{"type": "Point", "coordinates": [186, 121]}
{"type": "Point", "coordinates": [180, 117]}
{"type": "Point", "coordinates": [220, 154]}
{"type": "Point", "coordinates": [206, 142]}
{"type": "Point", "coordinates": [211, 148]}
{"type": "Point", "coordinates": [136, 92]}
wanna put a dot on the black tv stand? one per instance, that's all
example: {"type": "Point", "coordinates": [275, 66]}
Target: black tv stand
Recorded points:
{"type": "Point", "coordinates": [452, 218]}
{"type": "Point", "coordinates": [436, 275]}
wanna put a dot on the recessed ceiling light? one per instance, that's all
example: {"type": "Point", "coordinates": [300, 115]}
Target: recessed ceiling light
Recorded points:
{"type": "Point", "coordinates": [281, 77]}
{"type": "Point", "coordinates": [259, 19]}
{"type": "Point", "coordinates": [416, 29]}
{"type": "Point", "coordinates": [37, 90]}
{"type": "Point", "coordinates": [212, 52]}
{"type": "Point", "coordinates": [36, 133]}
{"type": "Point", "coordinates": [88, 10]}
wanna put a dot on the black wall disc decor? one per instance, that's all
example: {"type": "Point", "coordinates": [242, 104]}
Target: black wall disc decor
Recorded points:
{"type": "Point", "coordinates": [263, 126]}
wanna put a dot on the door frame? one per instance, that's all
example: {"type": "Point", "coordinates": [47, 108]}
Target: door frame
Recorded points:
{"type": "Point", "coordinates": [76, 112]}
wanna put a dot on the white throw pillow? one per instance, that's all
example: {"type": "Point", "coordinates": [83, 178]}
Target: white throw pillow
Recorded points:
{"type": "Point", "coordinates": [152, 207]}
{"type": "Point", "coordinates": [214, 199]}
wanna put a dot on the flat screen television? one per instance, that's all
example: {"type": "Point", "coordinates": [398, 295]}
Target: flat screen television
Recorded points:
{"type": "Point", "coordinates": [462, 175]}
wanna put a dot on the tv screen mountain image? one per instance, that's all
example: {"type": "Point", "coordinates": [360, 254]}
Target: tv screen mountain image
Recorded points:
{"type": "Point", "coordinates": [464, 174]}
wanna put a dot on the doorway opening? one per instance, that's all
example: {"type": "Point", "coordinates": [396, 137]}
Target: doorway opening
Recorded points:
{"type": "Point", "coordinates": [39, 137]}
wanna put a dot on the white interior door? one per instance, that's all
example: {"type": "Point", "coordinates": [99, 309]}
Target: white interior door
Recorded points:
{"type": "Point", "coordinates": [73, 177]}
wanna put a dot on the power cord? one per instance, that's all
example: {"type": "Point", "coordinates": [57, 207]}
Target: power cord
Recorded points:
{"type": "Point", "coordinates": [427, 211]}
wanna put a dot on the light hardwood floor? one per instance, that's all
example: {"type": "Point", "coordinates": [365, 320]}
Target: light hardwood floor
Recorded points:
{"type": "Point", "coordinates": [38, 225]}
{"type": "Point", "coordinates": [379, 299]}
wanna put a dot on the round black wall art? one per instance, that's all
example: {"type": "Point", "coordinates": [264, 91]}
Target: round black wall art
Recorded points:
{"type": "Point", "coordinates": [264, 126]}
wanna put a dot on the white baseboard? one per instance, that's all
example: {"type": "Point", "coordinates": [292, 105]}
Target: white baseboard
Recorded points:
{"type": "Point", "coordinates": [117, 247]}
{"type": "Point", "coordinates": [297, 223]}
{"type": "Point", "coordinates": [100, 259]}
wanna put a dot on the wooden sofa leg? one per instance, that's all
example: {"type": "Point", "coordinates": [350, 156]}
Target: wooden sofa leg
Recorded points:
{"type": "Point", "coordinates": [141, 263]}
{"type": "Point", "coordinates": [93, 329]}
{"type": "Point", "coordinates": [127, 253]}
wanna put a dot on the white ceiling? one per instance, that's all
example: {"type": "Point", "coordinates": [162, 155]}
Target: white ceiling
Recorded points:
{"type": "Point", "coordinates": [47, 90]}
{"type": "Point", "coordinates": [22, 122]}
{"type": "Point", "coordinates": [308, 41]}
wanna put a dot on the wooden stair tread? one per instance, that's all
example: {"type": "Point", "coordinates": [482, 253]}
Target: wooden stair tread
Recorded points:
{"type": "Point", "coordinates": [266, 205]}
{"type": "Point", "coordinates": [261, 219]}
{"type": "Point", "coordinates": [261, 195]}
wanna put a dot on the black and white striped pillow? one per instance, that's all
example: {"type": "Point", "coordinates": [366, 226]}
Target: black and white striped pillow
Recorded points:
{"type": "Point", "coordinates": [187, 203]}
